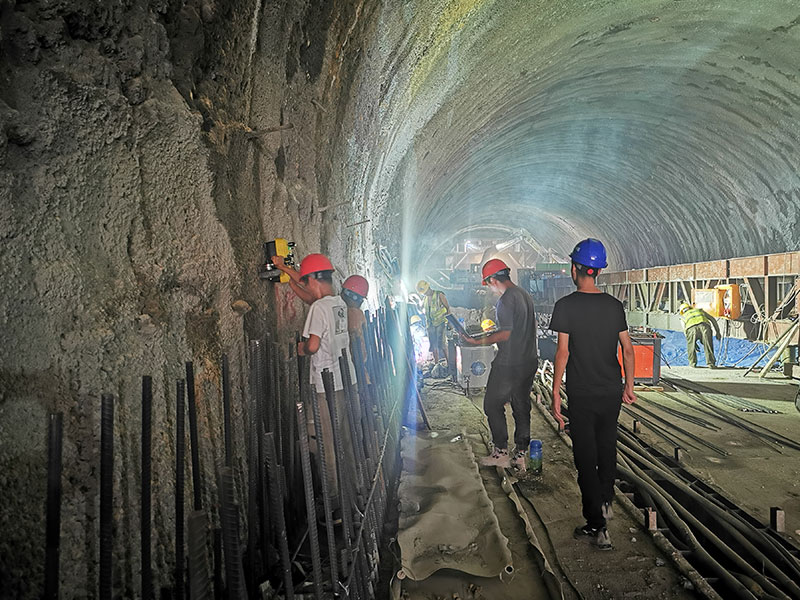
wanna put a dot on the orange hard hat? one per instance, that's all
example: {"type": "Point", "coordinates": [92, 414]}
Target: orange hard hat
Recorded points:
{"type": "Point", "coordinates": [357, 284]}
{"type": "Point", "coordinates": [493, 267]}
{"type": "Point", "coordinates": [314, 263]}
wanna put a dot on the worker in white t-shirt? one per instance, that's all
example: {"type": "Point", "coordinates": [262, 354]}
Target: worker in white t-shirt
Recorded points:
{"type": "Point", "coordinates": [325, 335]}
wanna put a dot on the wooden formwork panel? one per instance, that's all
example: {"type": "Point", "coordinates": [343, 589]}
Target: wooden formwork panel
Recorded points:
{"type": "Point", "coordinates": [713, 269]}
{"type": "Point", "coordinates": [658, 274]}
{"type": "Point", "coordinates": [751, 266]}
{"type": "Point", "coordinates": [614, 278]}
{"type": "Point", "coordinates": [682, 272]}
{"type": "Point", "coordinates": [636, 276]}
{"type": "Point", "coordinates": [786, 263]}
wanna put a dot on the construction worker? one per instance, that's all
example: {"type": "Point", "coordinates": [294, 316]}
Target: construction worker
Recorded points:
{"type": "Point", "coordinates": [294, 280]}
{"type": "Point", "coordinates": [591, 325]}
{"type": "Point", "coordinates": [354, 291]}
{"type": "Point", "coordinates": [513, 368]}
{"type": "Point", "coordinates": [436, 309]}
{"type": "Point", "coordinates": [697, 325]}
{"type": "Point", "coordinates": [325, 336]}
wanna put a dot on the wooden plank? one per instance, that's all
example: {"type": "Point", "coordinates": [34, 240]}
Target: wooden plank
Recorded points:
{"type": "Point", "coordinates": [785, 263]}
{"type": "Point", "coordinates": [681, 272]}
{"type": "Point", "coordinates": [753, 266]}
{"type": "Point", "coordinates": [753, 298]}
{"type": "Point", "coordinates": [713, 269]}
{"type": "Point", "coordinates": [658, 274]}
{"type": "Point", "coordinates": [636, 276]}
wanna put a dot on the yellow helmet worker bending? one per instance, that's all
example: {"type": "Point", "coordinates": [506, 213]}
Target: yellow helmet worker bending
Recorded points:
{"type": "Point", "coordinates": [697, 325]}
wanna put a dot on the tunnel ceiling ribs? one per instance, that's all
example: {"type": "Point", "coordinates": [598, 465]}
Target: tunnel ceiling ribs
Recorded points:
{"type": "Point", "coordinates": [666, 129]}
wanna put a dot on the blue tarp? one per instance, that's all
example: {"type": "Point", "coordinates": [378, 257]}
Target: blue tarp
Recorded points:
{"type": "Point", "coordinates": [729, 351]}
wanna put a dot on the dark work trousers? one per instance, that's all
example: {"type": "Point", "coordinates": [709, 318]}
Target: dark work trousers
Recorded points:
{"type": "Point", "coordinates": [702, 333]}
{"type": "Point", "coordinates": [509, 384]}
{"type": "Point", "coordinates": [593, 429]}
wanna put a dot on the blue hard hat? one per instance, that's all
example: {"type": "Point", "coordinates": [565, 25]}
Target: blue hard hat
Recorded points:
{"type": "Point", "coordinates": [590, 253]}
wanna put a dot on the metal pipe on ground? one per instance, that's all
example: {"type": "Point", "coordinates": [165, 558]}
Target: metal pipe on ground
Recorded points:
{"type": "Point", "coordinates": [106, 496]}
{"type": "Point", "coordinates": [55, 437]}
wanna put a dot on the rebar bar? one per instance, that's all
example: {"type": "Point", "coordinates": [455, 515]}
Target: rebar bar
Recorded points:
{"type": "Point", "coordinates": [194, 439]}
{"type": "Point", "coordinates": [55, 437]}
{"type": "Point", "coordinates": [229, 518]}
{"type": "Point", "coordinates": [180, 485]}
{"type": "Point", "coordinates": [146, 499]}
{"type": "Point", "coordinates": [276, 501]}
{"type": "Point", "coordinates": [226, 410]}
{"type": "Point", "coordinates": [199, 584]}
{"type": "Point", "coordinates": [311, 512]}
{"type": "Point", "coordinates": [106, 495]}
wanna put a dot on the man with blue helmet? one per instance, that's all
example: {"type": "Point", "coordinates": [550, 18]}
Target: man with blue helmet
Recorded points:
{"type": "Point", "coordinates": [591, 325]}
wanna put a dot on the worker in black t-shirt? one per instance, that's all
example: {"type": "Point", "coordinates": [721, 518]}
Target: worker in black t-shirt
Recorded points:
{"type": "Point", "coordinates": [513, 368]}
{"type": "Point", "coordinates": [590, 326]}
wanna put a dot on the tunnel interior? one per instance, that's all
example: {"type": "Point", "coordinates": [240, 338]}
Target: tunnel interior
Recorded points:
{"type": "Point", "coordinates": [149, 148]}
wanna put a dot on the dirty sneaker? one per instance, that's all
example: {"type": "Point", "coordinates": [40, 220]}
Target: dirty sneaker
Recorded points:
{"type": "Point", "coordinates": [585, 533]}
{"type": "Point", "coordinates": [520, 462]}
{"type": "Point", "coordinates": [608, 512]}
{"type": "Point", "coordinates": [498, 458]}
{"type": "Point", "coordinates": [602, 540]}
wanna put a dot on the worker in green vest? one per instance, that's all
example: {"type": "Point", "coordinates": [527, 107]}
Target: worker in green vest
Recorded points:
{"type": "Point", "coordinates": [435, 308]}
{"type": "Point", "coordinates": [697, 325]}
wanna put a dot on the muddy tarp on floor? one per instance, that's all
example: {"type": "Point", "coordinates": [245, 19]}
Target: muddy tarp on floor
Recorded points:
{"type": "Point", "coordinates": [447, 520]}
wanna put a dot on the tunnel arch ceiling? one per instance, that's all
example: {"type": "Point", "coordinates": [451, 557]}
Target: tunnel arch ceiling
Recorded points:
{"type": "Point", "coordinates": [667, 129]}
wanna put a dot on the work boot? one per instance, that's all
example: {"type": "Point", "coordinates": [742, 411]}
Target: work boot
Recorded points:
{"type": "Point", "coordinates": [602, 540]}
{"type": "Point", "coordinates": [597, 535]}
{"type": "Point", "coordinates": [608, 512]}
{"type": "Point", "coordinates": [498, 458]}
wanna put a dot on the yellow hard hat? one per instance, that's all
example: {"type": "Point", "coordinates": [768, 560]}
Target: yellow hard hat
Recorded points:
{"type": "Point", "coordinates": [423, 286]}
{"type": "Point", "coordinates": [684, 307]}
{"type": "Point", "coordinates": [415, 319]}
{"type": "Point", "coordinates": [487, 324]}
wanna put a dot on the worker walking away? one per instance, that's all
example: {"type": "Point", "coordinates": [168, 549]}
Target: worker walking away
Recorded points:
{"type": "Point", "coordinates": [591, 325]}
{"type": "Point", "coordinates": [436, 309]}
{"type": "Point", "coordinates": [513, 368]}
{"type": "Point", "coordinates": [324, 337]}
{"type": "Point", "coordinates": [697, 325]}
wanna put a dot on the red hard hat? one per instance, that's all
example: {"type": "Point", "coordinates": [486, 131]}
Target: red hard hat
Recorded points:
{"type": "Point", "coordinates": [314, 263]}
{"type": "Point", "coordinates": [492, 267]}
{"type": "Point", "coordinates": [357, 284]}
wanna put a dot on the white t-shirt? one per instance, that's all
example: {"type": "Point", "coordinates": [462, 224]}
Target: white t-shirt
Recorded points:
{"type": "Point", "coordinates": [327, 319]}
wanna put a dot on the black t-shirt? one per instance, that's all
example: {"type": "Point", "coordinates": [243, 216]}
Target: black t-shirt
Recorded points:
{"type": "Point", "coordinates": [593, 322]}
{"type": "Point", "coordinates": [515, 313]}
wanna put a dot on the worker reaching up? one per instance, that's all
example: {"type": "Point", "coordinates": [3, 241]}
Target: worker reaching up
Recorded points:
{"type": "Point", "coordinates": [294, 280]}
{"type": "Point", "coordinates": [325, 336]}
{"type": "Point", "coordinates": [591, 325]}
{"type": "Point", "coordinates": [513, 368]}
{"type": "Point", "coordinates": [435, 309]}
{"type": "Point", "coordinates": [697, 325]}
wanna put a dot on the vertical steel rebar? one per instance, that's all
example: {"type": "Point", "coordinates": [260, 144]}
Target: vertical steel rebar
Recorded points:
{"type": "Point", "coordinates": [218, 585]}
{"type": "Point", "coordinates": [311, 511]}
{"type": "Point", "coordinates": [146, 499]}
{"type": "Point", "coordinates": [324, 446]}
{"type": "Point", "coordinates": [55, 437]}
{"type": "Point", "coordinates": [197, 479]}
{"type": "Point", "coordinates": [226, 410]}
{"type": "Point", "coordinates": [180, 486]}
{"type": "Point", "coordinates": [229, 518]}
{"type": "Point", "coordinates": [106, 495]}
{"type": "Point", "coordinates": [199, 583]}
{"type": "Point", "coordinates": [252, 500]}
{"type": "Point", "coordinates": [276, 501]}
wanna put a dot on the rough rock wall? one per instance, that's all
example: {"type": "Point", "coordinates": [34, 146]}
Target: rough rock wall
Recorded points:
{"type": "Point", "coordinates": [147, 148]}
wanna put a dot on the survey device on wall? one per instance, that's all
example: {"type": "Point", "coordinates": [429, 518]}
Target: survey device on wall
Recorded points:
{"type": "Point", "coordinates": [277, 247]}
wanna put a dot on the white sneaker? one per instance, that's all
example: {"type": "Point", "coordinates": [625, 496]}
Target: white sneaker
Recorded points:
{"type": "Point", "coordinates": [498, 458]}
{"type": "Point", "coordinates": [608, 512]}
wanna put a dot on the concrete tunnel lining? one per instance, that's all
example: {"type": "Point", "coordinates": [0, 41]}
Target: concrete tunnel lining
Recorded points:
{"type": "Point", "coordinates": [138, 180]}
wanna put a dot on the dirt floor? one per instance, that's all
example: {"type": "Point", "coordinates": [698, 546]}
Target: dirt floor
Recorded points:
{"type": "Point", "coordinates": [755, 475]}
{"type": "Point", "coordinates": [635, 569]}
